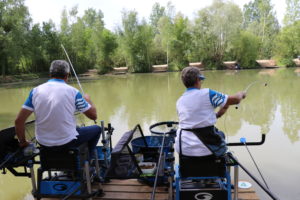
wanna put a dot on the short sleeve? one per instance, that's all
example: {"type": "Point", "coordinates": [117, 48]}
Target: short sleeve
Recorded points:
{"type": "Point", "coordinates": [28, 103]}
{"type": "Point", "coordinates": [217, 98]}
{"type": "Point", "coordinates": [81, 104]}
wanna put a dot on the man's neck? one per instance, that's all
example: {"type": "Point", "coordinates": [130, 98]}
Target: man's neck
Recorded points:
{"type": "Point", "coordinates": [64, 79]}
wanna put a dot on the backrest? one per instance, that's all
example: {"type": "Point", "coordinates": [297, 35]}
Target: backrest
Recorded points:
{"type": "Point", "coordinates": [63, 159]}
{"type": "Point", "coordinates": [206, 166]}
{"type": "Point", "coordinates": [8, 143]}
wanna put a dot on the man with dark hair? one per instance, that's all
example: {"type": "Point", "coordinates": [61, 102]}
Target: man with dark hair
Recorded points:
{"type": "Point", "coordinates": [54, 104]}
{"type": "Point", "coordinates": [195, 109]}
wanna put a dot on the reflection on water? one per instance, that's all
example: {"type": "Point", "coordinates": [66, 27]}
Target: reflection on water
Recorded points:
{"type": "Point", "coordinates": [149, 98]}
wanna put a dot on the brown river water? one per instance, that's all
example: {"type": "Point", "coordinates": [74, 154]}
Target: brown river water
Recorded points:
{"type": "Point", "coordinates": [127, 100]}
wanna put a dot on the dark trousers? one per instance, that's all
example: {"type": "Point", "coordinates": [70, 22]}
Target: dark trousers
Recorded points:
{"type": "Point", "coordinates": [87, 134]}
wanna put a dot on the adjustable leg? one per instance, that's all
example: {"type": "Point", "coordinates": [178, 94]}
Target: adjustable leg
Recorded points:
{"type": "Point", "coordinates": [228, 182]}
{"type": "Point", "coordinates": [88, 178]}
{"type": "Point", "coordinates": [236, 179]}
{"type": "Point", "coordinates": [98, 171]}
{"type": "Point", "coordinates": [170, 178]}
{"type": "Point", "coordinates": [177, 182]}
{"type": "Point", "coordinates": [33, 182]}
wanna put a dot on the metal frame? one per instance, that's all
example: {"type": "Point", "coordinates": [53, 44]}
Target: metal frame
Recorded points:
{"type": "Point", "coordinates": [178, 180]}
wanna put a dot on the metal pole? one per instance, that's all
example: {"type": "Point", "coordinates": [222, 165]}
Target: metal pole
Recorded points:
{"type": "Point", "coordinates": [170, 179]}
{"type": "Point", "coordinates": [236, 180]}
{"type": "Point", "coordinates": [103, 131]}
{"type": "Point", "coordinates": [88, 178]}
{"type": "Point", "coordinates": [104, 142]}
{"type": "Point", "coordinates": [33, 182]}
{"type": "Point", "coordinates": [98, 169]}
{"type": "Point", "coordinates": [158, 166]}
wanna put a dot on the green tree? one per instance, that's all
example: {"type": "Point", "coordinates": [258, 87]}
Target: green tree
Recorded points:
{"type": "Point", "coordinates": [287, 44]}
{"type": "Point", "coordinates": [260, 19]}
{"type": "Point", "coordinates": [245, 50]}
{"type": "Point", "coordinates": [157, 12]}
{"type": "Point", "coordinates": [51, 44]}
{"type": "Point", "coordinates": [292, 12]}
{"type": "Point", "coordinates": [136, 42]}
{"type": "Point", "coordinates": [108, 47]}
{"type": "Point", "coordinates": [179, 45]}
{"type": "Point", "coordinates": [14, 24]}
{"type": "Point", "coordinates": [90, 45]}
{"type": "Point", "coordinates": [214, 29]}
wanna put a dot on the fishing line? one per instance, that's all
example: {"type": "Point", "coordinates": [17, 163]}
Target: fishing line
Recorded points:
{"type": "Point", "coordinates": [243, 140]}
{"type": "Point", "coordinates": [248, 87]}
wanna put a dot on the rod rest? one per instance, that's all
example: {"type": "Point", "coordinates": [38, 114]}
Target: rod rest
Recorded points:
{"type": "Point", "coordinates": [263, 137]}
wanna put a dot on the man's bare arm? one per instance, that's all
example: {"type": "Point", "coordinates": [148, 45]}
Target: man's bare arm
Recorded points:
{"type": "Point", "coordinates": [20, 126]}
{"type": "Point", "coordinates": [231, 100]}
{"type": "Point", "coordinates": [92, 112]}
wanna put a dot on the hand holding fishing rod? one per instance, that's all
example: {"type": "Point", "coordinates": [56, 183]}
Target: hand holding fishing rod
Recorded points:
{"type": "Point", "coordinates": [232, 100]}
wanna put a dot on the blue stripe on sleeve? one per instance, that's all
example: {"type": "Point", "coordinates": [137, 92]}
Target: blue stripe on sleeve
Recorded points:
{"type": "Point", "coordinates": [28, 101]}
{"type": "Point", "coordinates": [80, 102]}
{"type": "Point", "coordinates": [216, 98]}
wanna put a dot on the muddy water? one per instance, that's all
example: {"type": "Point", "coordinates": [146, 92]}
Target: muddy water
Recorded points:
{"type": "Point", "coordinates": [127, 100]}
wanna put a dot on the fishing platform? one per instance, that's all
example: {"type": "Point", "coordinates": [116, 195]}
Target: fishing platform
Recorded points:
{"type": "Point", "coordinates": [135, 190]}
{"type": "Point", "coordinates": [139, 167]}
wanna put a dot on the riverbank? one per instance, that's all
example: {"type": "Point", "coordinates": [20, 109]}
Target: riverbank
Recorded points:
{"type": "Point", "coordinates": [18, 78]}
{"type": "Point", "coordinates": [89, 75]}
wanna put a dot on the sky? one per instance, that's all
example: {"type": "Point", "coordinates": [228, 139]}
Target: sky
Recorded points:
{"type": "Point", "coordinates": [43, 10]}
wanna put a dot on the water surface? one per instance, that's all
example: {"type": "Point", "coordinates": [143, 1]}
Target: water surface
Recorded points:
{"type": "Point", "coordinates": [127, 100]}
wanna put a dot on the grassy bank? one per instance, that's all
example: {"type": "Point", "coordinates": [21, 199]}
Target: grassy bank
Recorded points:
{"type": "Point", "coordinates": [18, 78]}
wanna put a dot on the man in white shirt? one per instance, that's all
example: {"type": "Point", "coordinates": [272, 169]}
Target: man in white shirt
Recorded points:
{"type": "Point", "coordinates": [54, 104]}
{"type": "Point", "coordinates": [197, 117]}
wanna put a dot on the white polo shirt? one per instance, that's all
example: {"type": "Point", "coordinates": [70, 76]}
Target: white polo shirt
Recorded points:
{"type": "Point", "coordinates": [196, 109]}
{"type": "Point", "coordinates": [54, 104]}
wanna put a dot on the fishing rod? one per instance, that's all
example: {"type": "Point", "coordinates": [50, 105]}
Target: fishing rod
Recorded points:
{"type": "Point", "coordinates": [62, 46]}
{"type": "Point", "coordinates": [248, 87]}
{"type": "Point", "coordinates": [273, 196]}
{"type": "Point", "coordinates": [243, 140]}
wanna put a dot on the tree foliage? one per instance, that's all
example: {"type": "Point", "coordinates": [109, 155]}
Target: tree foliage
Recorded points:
{"type": "Point", "coordinates": [215, 28]}
{"type": "Point", "coordinates": [287, 46]}
{"type": "Point", "coordinates": [260, 19]}
{"type": "Point", "coordinates": [292, 14]}
{"type": "Point", "coordinates": [218, 33]}
{"type": "Point", "coordinates": [136, 41]}
{"type": "Point", "coordinates": [246, 48]}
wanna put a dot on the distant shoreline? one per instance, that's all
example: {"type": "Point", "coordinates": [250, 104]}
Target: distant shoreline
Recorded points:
{"type": "Point", "coordinates": [15, 80]}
